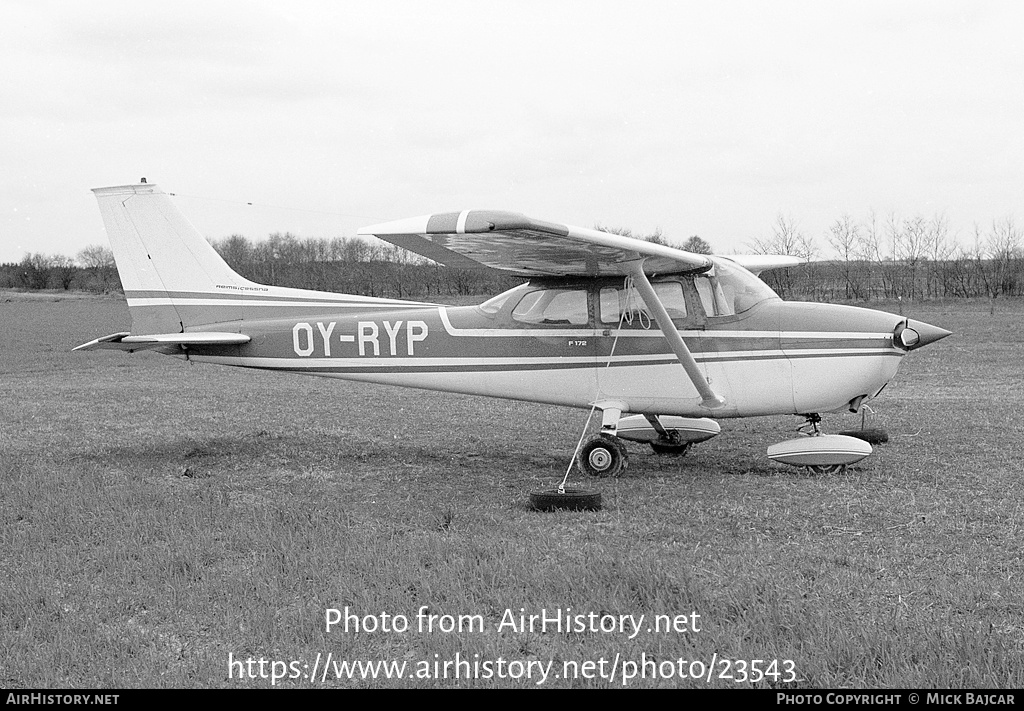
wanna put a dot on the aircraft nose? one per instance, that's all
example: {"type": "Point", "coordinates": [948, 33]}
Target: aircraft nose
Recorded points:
{"type": "Point", "coordinates": [913, 334]}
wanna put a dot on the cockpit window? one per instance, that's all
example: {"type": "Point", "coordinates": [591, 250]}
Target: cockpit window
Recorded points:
{"type": "Point", "coordinates": [553, 306]}
{"type": "Point", "coordinates": [627, 305]}
{"type": "Point", "coordinates": [728, 289]}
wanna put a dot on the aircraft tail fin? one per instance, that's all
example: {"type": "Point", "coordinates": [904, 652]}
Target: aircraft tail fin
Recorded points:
{"type": "Point", "coordinates": [160, 257]}
{"type": "Point", "coordinates": [174, 280]}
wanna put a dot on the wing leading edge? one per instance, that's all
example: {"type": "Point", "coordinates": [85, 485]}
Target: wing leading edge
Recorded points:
{"type": "Point", "coordinates": [516, 244]}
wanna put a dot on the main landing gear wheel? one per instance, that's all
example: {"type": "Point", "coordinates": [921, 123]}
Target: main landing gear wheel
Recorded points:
{"type": "Point", "coordinates": [827, 469]}
{"type": "Point", "coordinates": [603, 455]}
{"type": "Point", "coordinates": [871, 435]}
{"type": "Point", "coordinates": [677, 450]}
{"type": "Point", "coordinates": [568, 499]}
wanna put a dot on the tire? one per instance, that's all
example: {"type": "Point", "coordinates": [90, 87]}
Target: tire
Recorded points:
{"type": "Point", "coordinates": [871, 435]}
{"type": "Point", "coordinates": [677, 450]}
{"type": "Point", "coordinates": [569, 500]}
{"type": "Point", "coordinates": [828, 469]}
{"type": "Point", "coordinates": [602, 456]}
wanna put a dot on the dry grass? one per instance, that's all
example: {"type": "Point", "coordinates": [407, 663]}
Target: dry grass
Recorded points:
{"type": "Point", "coordinates": [157, 516]}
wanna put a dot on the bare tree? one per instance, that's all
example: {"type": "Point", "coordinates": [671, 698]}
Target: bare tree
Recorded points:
{"type": "Point", "coordinates": [97, 260]}
{"type": "Point", "coordinates": [938, 250]}
{"type": "Point", "coordinates": [909, 244]}
{"type": "Point", "coordinates": [998, 257]}
{"type": "Point", "coordinates": [656, 237]}
{"type": "Point", "coordinates": [95, 256]}
{"type": "Point", "coordinates": [697, 245]}
{"type": "Point", "coordinates": [62, 271]}
{"type": "Point", "coordinates": [872, 251]}
{"type": "Point", "coordinates": [237, 252]}
{"type": "Point", "coordinates": [845, 238]}
{"type": "Point", "coordinates": [788, 240]}
{"type": "Point", "coordinates": [34, 270]}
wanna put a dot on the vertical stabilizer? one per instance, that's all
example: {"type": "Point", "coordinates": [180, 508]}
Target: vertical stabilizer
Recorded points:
{"type": "Point", "coordinates": [175, 282]}
{"type": "Point", "coordinates": [161, 257]}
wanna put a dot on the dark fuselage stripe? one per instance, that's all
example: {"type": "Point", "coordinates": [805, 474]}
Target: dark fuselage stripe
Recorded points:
{"type": "Point", "coordinates": [508, 367]}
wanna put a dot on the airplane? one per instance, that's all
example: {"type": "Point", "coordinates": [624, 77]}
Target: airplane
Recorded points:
{"type": "Point", "coordinates": [663, 342]}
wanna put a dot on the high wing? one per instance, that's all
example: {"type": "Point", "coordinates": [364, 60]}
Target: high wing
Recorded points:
{"type": "Point", "coordinates": [757, 263]}
{"type": "Point", "coordinates": [516, 244]}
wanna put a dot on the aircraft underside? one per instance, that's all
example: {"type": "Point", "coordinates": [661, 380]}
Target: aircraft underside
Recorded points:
{"type": "Point", "coordinates": [769, 384]}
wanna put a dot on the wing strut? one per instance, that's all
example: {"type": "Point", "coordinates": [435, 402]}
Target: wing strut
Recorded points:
{"type": "Point", "coordinates": [712, 400]}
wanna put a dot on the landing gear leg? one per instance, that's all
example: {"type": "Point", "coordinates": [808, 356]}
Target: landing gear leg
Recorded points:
{"type": "Point", "coordinates": [604, 454]}
{"type": "Point", "coordinates": [810, 426]}
{"type": "Point", "coordinates": [668, 442]}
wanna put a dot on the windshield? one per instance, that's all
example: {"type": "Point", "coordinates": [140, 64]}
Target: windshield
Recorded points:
{"type": "Point", "coordinates": [729, 289]}
{"type": "Point", "coordinates": [493, 305]}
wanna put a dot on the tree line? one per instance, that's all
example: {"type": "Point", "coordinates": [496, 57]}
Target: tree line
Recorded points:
{"type": "Point", "coordinates": [890, 258]}
{"type": "Point", "coordinates": [353, 265]}
{"type": "Point", "coordinates": [871, 259]}
{"type": "Point", "coordinates": [349, 265]}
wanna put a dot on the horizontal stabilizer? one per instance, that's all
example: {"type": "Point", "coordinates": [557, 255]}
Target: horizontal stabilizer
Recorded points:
{"type": "Point", "coordinates": [126, 342]}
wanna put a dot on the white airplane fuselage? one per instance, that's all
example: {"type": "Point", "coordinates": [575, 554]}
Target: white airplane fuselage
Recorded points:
{"type": "Point", "coordinates": [776, 358]}
{"type": "Point", "coordinates": [624, 325]}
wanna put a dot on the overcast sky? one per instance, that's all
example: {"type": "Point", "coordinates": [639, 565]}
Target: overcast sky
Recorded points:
{"type": "Point", "coordinates": [695, 118]}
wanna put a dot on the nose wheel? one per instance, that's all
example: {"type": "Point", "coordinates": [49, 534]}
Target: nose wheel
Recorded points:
{"type": "Point", "coordinates": [811, 429]}
{"type": "Point", "coordinates": [820, 453]}
{"type": "Point", "coordinates": [602, 455]}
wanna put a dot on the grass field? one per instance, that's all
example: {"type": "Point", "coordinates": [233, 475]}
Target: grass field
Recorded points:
{"type": "Point", "coordinates": [159, 518]}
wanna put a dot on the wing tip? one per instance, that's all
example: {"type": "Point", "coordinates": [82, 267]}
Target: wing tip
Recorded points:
{"type": "Point", "coordinates": [102, 342]}
{"type": "Point", "coordinates": [134, 189]}
{"type": "Point", "coordinates": [406, 226]}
